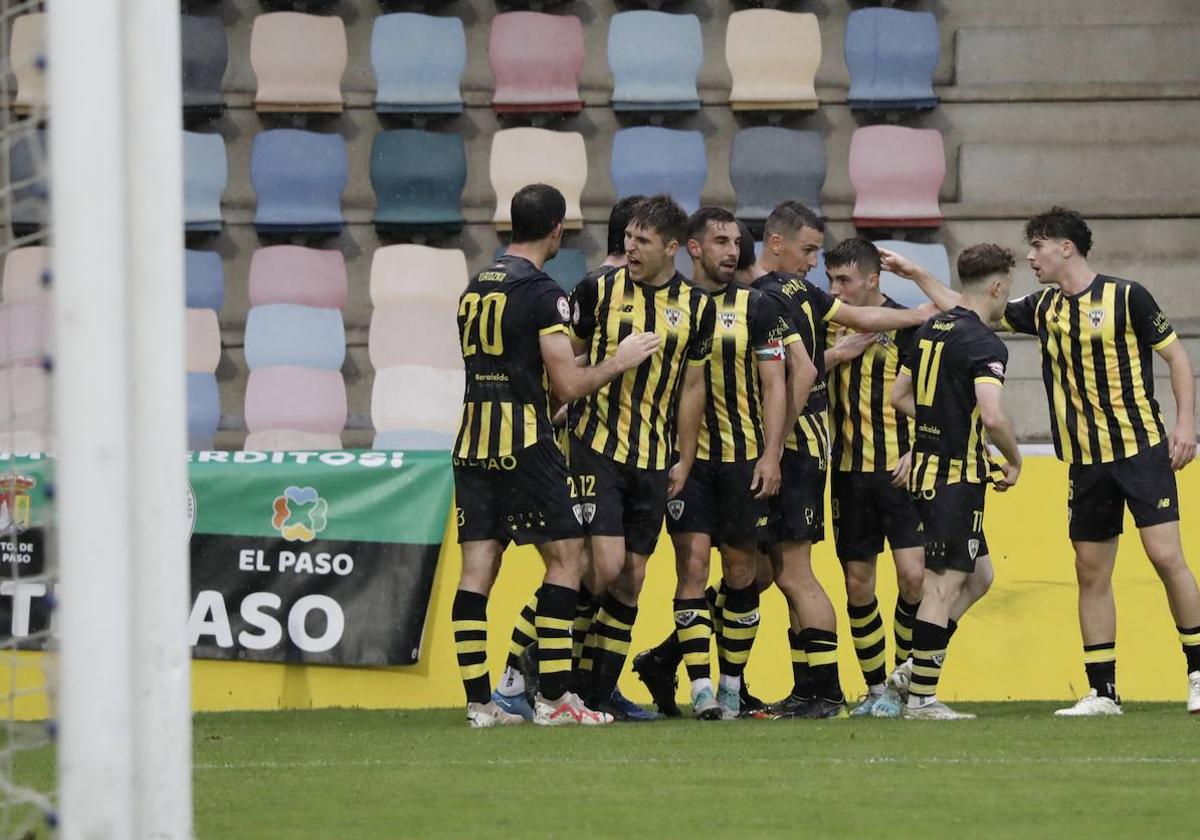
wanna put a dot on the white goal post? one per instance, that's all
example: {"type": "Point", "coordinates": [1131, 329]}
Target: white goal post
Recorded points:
{"type": "Point", "coordinates": [116, 195]}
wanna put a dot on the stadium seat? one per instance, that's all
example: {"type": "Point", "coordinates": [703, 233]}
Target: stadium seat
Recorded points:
{"type": "Point", "coordinates": [25, 273]}
{"type": "Point", "coordinates": [897, 173]}
{"type": "Point", "coordinates": [285, 334]}
{"type": "Point", "coordinates": [931, 257]}
{"type": "Point", "coordinates": [566, 268]}
{"type": "Point", "coordinates": [299, 60]}
{"type": "Point", "coordinates": [205, 172]}
{"type": "Point", "coordinates": [416, 333]}
{"type": "Point", "coordinates": [536, 60]}
{"type": "Point", "coordinates": [203, 340]}
{"type": "Point", "coordinates": [770, 165]}
{"type": "Point", "coordinates": [25, 398]}
{"type": "Point", "coordinates": [293, 274]}
{"type": "Point", "coordinates": [299, 177]}
{"type": "Point", "coordinates": [27, 167]}
{"type": "Point", "coordinates": [773, 57]}
{"type": "Point", "coordinates": [26, 331]}
{"type": "Point", "coordinates": [891, 55]}
{"type": "Point", "coordinates": [203, 410]}
{"type": "Point", "coordinates": [393, 439]}
{"type": "Point", "coordinates": [413, 397]}
{"type": "Point", "coordinates": [29, 441]}
{"type": "Point", "coordinates": [302, 399]}
{"type": "Point", "coordinates": [404, 273]}
{"type": "Point", "coordinates": [291, 440]}
{"type": "Point", "coordinates": [647, 160]}
{"type": "Point", "coordinates": [27, 58]}
{"type": "Point", "coordinates": [655, 58]}
{"type": "Point", "coordinates": [523, 156]}
{"type": "Point", "coordinates": [205, 54]}
{"type": "Point", "coordinates": [418, 61]}
{"type": "Point", "coordinates": [418, 178]}
{"type": "Point", "coordinates": [205, 280]}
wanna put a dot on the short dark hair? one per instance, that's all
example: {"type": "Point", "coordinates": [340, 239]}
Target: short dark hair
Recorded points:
{"type": "Point", "coordinates": [618, 220]}
{"type": "Point", "coordinates": [854, 251]}
{"type": "Point", "coordinates": [746, 255]}
{"type": "Point", "coordinates": [660, 213]}
{"type": "Point", "coordinates": [983, 260]}
{"type": "Point", "coordinates": [1060, 223]}
{"type": "Point", "coordinates": [789, 217]}
{"type": "Point", "coordinates": [536, 209]}
{"type": "Point", "coordinates": [698, 222]}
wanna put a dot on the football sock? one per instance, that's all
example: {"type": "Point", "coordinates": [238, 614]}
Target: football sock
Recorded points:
{"type": "Point", "coordinates": [613, 628]}
{"type": "Point", "coordinates": [585, 611]}
{"type": "Point", "coordinates": [1100, 662]}
{"type": "Point", "coordinates": [554, 621]}
{"type": "Point", "coordinates": [1190, 638]}
{"type": "Point", "coordinates": [870, 641]}
{"type": "Point", "coordinates": [739, 626]}
{"type": "Point", "coordinates": [693, 630]}
{"type": "Point", "coordinates": [716, 602]}
{"type": "Point", "coordinates": [951, 629]}
{"type": "Point", "coordinates": [902, 628]}
{"type": "Point", "coordinates": [469, 617]}
{"type": "Point", "coordinates": [523, 635]}
{"type": "Point", "coordinates": [801, 684]}
{"type": "Point", "coordinates": [929, 652]}
{"type": "Point", "coordinates": [821, 646]}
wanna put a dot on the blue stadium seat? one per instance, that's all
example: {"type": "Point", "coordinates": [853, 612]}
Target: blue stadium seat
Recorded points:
{"type": "Point", "coordinates": [205, 171]}
{"type": "Point", "coordinates": [418, 62]}
{"type": "Point", "coordinates": [891, 55]}
{"type": "Point", "coordinates": [932, 257]}
{"type": "Point", "coordinates": [205, 280]}
{"type": "Point", "coordinates": [655, 58]}
{"type": "Point", "coordinates": [647, 160]}
{"type": "Point", "coordinates": [205, 53]}
{"type": "Point", "coordinates": [204, 410]}
{"type": "Point", "coordinates": [412, 439]}
{"type": "Point", "coordinates": [287, 334]}
{"type": "Point", "coordinates": [566, 269]}
{"type": "Point", "coordinates": [299, 177]}
{"type": "Point", "coordinates": [770, 165]}
{"type": "Point", "coordinates": [418, 178]}
{"type": "Point", "coordinates": [27, 167]}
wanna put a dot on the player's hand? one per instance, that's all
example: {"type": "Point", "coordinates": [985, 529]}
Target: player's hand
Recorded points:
{"type": "Point", "coordinates": [898, 265]}
{"type": "Point", "coordinates": [853, 345]}
{"type": "Point", "coordinates": [903, 468]}
{"type": "Point", "coordinates": [676, 478]}
{"type": "Point", "coordinates": [1181, 446]}
{"type": "Point", "coordinates": [766, 478]}
{"type": "Point", "coordinates": [1011, 473]}
{"type": "Point", "coordinates": [636, 348]}
{"type": "Point", "coordinates": [560, 414]}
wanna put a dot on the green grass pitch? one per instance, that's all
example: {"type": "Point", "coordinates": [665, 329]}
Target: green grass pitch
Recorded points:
{"type": "Point", "coordinates": [1015, 772]}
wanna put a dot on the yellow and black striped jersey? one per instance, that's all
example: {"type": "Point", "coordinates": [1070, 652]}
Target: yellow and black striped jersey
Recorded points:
{"type": "Point", "coordinates": [749, 327]}
{"type": "Point", "coordinates": [952, 353]}
{"type": "Point", "coordinates": [868, 434]}
{"type": "Point", "coordinates": [1097, 366]}
{"type": "Point", "coordinates": [502, 315]}
{"type": "Point", "coordinates": [631, 419]}
{"type": "Point", "coordinates": [808, 309]}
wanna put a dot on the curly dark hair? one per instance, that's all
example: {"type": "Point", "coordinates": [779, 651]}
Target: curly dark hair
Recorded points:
{"type": "Point", "coordinates": [1061, 223]}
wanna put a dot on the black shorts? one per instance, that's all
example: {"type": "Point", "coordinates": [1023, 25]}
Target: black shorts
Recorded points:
{"type": "Point", "coordinates": [866, 508]}
{"type": "Point", "coordinates": [717, 500]}
{"type": "Point", "coordinates": [522, 498]}
{"type": "Point", "coordinates": [1098, 493]}
{"type": "Point", "coordinates": [798, 511]}
{"type": "Point", "coordinates": [952, 522]}
{"type": "Point", "coordinates": [617, 500]}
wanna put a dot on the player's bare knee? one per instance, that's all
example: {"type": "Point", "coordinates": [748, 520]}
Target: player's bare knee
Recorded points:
{"type": "Point", "coordinates": [628, 585]}
{"type": "Point", "coordinates": [860, 582]}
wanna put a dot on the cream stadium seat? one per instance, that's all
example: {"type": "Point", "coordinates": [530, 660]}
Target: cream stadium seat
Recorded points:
{"type": "Point", "coordinates": [773, 57]}
{"type": "Point", "coordinates": [203, 341]}
{"type": "Point", "coordinates": [401, 274]}
{"type": "Point", "coordinates": [282, 440]}
{"type": "Point", "coordinates": [26, 271]}
{"type": "Point", "coordinates": [27, 57]}
{"type": "Point", "coordinates": [414, 397]}
{"type": "Point", "coordinates": [417, 333]}
{"type": "Point", "coordinates": [299, 60]}
{"type": "Point", "coordinates": [523, 156]}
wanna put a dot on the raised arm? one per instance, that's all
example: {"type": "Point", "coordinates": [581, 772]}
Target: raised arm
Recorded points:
{"type": "Point", "coordinates": [943, 297]}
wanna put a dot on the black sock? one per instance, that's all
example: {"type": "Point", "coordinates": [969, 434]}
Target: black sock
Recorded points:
{"type": "Point", "coordinates": [929, 654]}
{"type": "Point", "coordinates": [524, 633]}
{"type": "Point", "coordinates": [870, 641]}
{"type": "Point", "coordinates": [801, 684]}
{"type": "Point", "coordinates": [468, 614]}
{"type": "Point", "coordinates": [1100, 662]}
{"type": "Point", "coordinates": [555, 621]}
{"type": "Point", "coordinates": [739, 626]}
{"type": "Point", "coordinates": [1189, 637]}
{"type": "Point", "coordinates": [613, 627]}
{"type": "Point", "coordinates": [693, 634]}
{"type": "Point", "coordinates": [821, 646]}
{"type": "Point", "coordinates": [902, 627]}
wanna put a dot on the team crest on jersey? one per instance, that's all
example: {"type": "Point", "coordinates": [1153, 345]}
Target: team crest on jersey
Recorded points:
{"type": "Point", "coordinates": [672, 316]}
{"type": "Point", "coordinates": [575, 319]}
{"type": "Point", "coordinates": [1096, 316]}
{"type": "Point", "coordinates": [685, 617]}
{"type": "Point", "coordinates": [675, 508]}
{"type": "Point", "coordinates": [578, 511]}
{"type": "Point", "coordinates": [728, 319]}
{"type": "Point", "coordinates": [972, 548]}
{"type": "Point", "coordinates": [564, 309]}
{"type": "Point", "coordinates": [589, 511]}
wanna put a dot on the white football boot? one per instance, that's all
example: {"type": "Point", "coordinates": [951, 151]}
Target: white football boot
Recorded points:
{"type": "Point", "coordinates": [936, 710]}
{"type": "Point", "coordinates": [1091, 705]}
{"type": "Point", "coordinates": [1194, 692]}
{"type": "Point", "coordinates": [483, 715]}
{"type": "Point", "coordinates": [565, 711]}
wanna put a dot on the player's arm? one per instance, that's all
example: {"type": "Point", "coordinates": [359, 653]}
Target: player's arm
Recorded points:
{"type": "Point", "coordinates": [569, 381]}
{"type": "Point", "coordinates": [943, 297]}
{"type": "Point", "coordinates": [879, 319]}
{"type": "Point", "coordinates": [999, 429]}
{"type": "Point", "coordinates": [902, 394]}
{"type": "Point", "coordinates": [688, 415]}
{"type": "Point", "coordinates": [801, 376]}
{"type": "Point", "coordinates": [772, 378]}
{"type": "Point", "coordinates": [1181, 445]}
{"type": "Point", "coordinates": [848, 348]}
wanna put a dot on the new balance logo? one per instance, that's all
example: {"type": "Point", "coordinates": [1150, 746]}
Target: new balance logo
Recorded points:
{"type": "Point", "coordinates": [627, 307]}
{"type": "Point", "coordinates": [1163, 504]}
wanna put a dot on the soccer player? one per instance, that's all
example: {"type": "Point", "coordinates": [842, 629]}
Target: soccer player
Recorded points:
{"type": "Point", "coordinates": [1097, 335]}
{"type": "Point", "coordinates": [870, 462]}
{"type": "Point", "coordinates": [958, 366]}
{"type": "Point", "coordinates": [793, 236]}
{"type": "Point", "coordinates": [724, 501]}
{"type": "Point", "coordinates": [623, 436]}
{"type": "Point", "coordinates": [510, 479]}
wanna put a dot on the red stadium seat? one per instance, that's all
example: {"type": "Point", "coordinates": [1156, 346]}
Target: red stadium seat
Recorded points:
{"type": "Point", "coordinates": [302, 399]}
{"type": "Point", "coordinates": [292, 274]}
{"type": "Point", "coordinates": [536, 61]}
{"type": "Point", "coordinates": [897, 173]}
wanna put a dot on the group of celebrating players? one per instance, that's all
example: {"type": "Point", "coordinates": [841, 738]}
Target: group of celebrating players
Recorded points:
{"type": "Point", "coordinates": [720, 403]}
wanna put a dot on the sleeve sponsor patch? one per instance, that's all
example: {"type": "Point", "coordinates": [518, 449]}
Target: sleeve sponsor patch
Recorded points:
{"type": "Point", "coordinates": [996, 368]}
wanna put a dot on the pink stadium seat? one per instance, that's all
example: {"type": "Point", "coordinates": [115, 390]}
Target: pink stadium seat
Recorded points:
{"type": "Point", "coordinates": [416, 333]}
{"type": "Point", "coordinates": [283, 440]}
{"type": "Point", "coordinates": [295, 398]}
{"type": "Point", "coordinates": [24, 269]}
{"type": "Point", "coordinates": [536, 60]}
{"type": "Point", "coordinates": [292, 274]}
{"type": "Point", "coordinates": [25, 332]}
{"type": "Point", "coordinates": [24, 399]}
{"type": "Point", "coordinates": [203, 341]}
{"type": "Point", "coordinates": [299, 60]}
{"type": "Point", "coordinates": [897, 173]}
{"type": "Point", "coordinates": [410, 273]}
